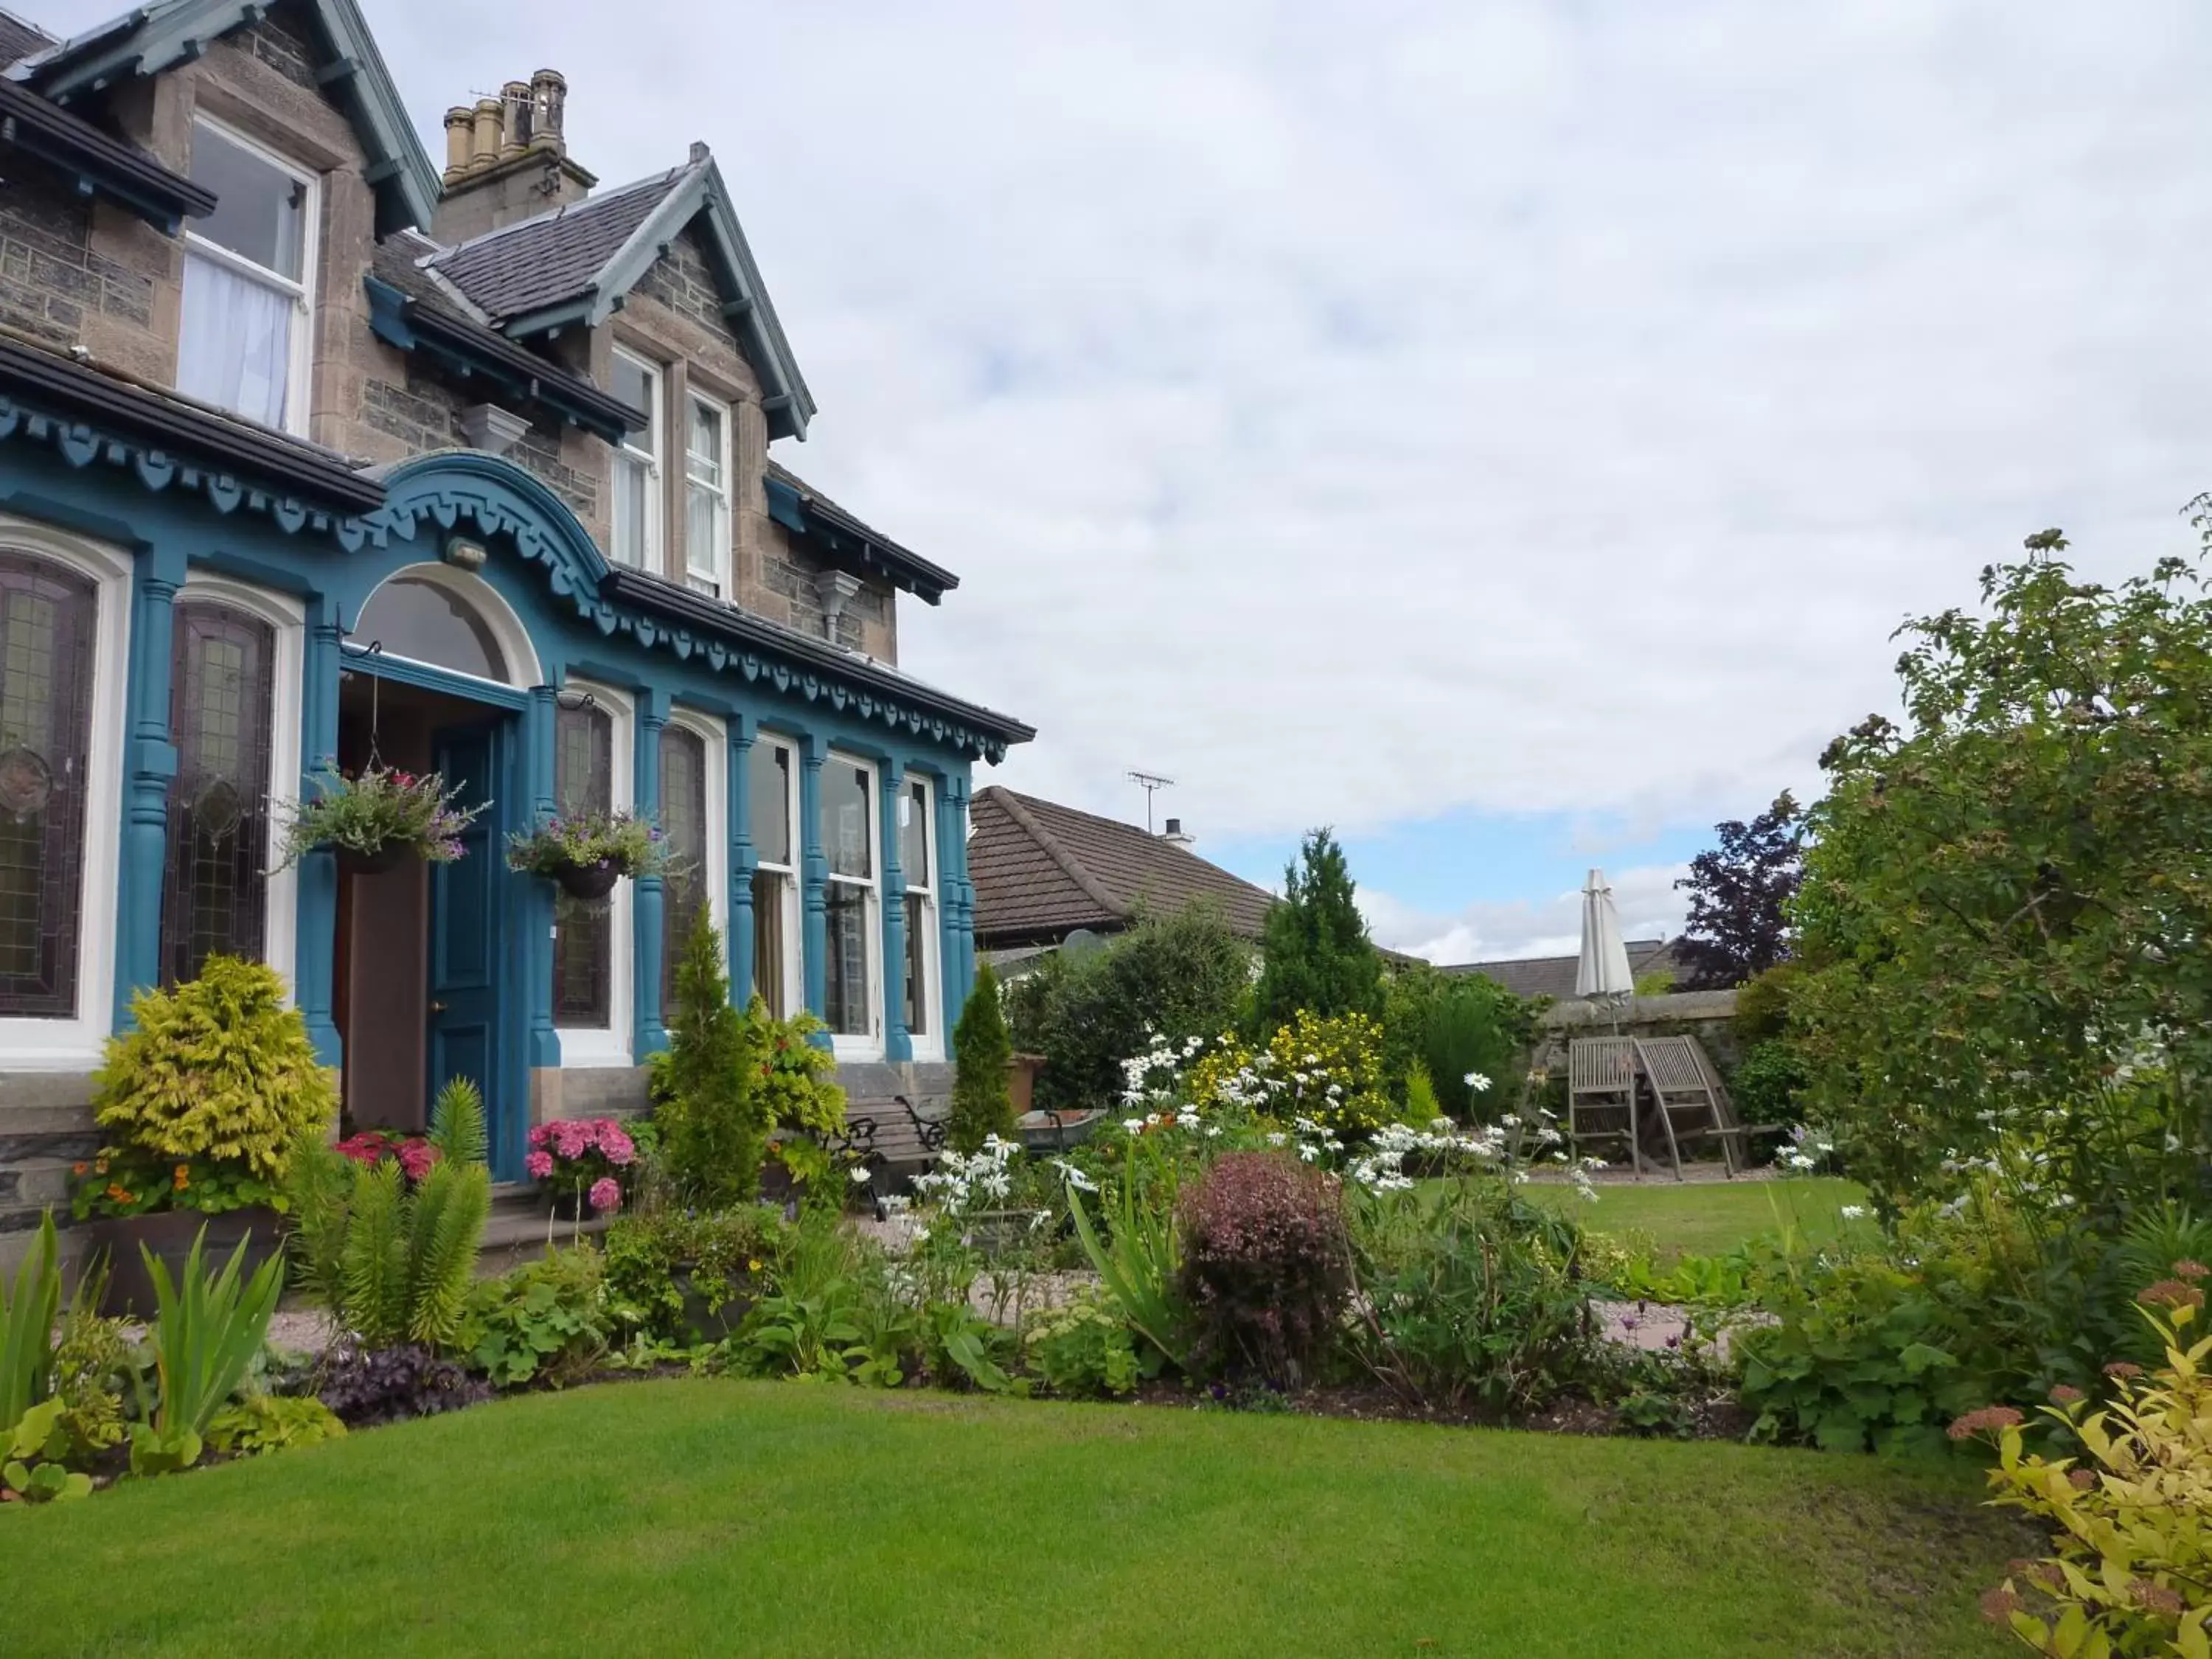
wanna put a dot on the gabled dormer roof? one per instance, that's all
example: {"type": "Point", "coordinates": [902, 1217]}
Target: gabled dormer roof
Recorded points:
{"type": "Point", "coordinates": [151, 39]}
{"type": "Point", "coordinates": [97, 164]}
{"type": "Point", "coordinates": [577, 264]}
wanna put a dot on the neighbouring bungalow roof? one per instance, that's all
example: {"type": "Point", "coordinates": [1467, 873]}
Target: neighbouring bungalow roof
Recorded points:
{"type": "Point", "coordinates": [1554, 976]}
{"type": "Point", "coordinates": [1041, 870]}
{"type": "Point", "coordinates": [150, 39]}
{"type": "Point", "coordinates": [578, 264]}
{"type": "Point", "coordinates": [840, 539]}
{"type": "Point", "coordinates": [100, 165]}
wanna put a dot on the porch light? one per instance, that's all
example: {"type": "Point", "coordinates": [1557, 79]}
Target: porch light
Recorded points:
{"type": "Point", "coordinates": [463, 554]}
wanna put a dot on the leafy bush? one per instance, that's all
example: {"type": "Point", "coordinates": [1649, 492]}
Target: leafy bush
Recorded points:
{"type": "Point", "coordinates": [548, 1318]}
{"type": "Point", "coordinates": [802, 1100]}
{"type": "Point", "coordinates": [393, 1262]}
{"type": "Point", "coordinates": [26, 1326]}
{"type": "Point", "coordinates": [1454, 1026]}
{"type": "Point", "coordinates": [217, 1069]}
{"type": "Point", "coordinates": [93, 1369]}
{"type": "Point", "coordinates": [208, 1328]}
{"type": "Point", "coordinates": [1315, 954]}
{"type": "Point", "coordinates": [1140, 1261]}
{"type": "Point", "coordinates": [1467, 1298]}
{"type": "Point", "coordinates": [1173, 978]}
{"type": "Point", "coordinates": [1330, 1072]}
{"type": "Point", "coordinates": [1265, 1264]}
{"type": "Point", "coordinates": [263, 1423]}
{"type": "Point", "coordinates": [982, 1097]}
{"type": "Point", "coordinates": [367, 1386]}
{"type": "Point", "coordinates": [654, 1257]}
{"type": "Point", "coordinates": [816, 1321]}
{"type": "Point", "coordinates": [1083, 1350]}
{"type": "Point", "coordinates": [31, 1453]}
{"type": "Point", "coordinates": [713, 1112]}
{"type": "Point", "coordinates": [2132, 1572]}
{"type": "Point", "coordinates": [1768, 1083]}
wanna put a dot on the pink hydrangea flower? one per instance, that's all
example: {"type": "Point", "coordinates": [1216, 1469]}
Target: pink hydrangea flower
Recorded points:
{"type": "Point", "coordinates": [415, 1158]}
{"type": "Point", "coordinates": [618, 1147]}
{"type": "Point", "coordinates": [539, 1135]}
{"type": "Point", "coordinates": [606, 1195]}
{"type": "Point", "coordinates": [571, 1139]}
{"type": "Point", "coordinates": [539, 1165]}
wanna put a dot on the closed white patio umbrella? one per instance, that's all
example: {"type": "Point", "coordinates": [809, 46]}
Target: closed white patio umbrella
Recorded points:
{"type": "Point", "coordinates": [1602, 973]}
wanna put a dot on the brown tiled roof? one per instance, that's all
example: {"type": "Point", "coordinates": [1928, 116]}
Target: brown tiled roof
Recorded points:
{"type": "Point", "coordinates": [1554, 976]}
{"type": "Point", "coordinates": [19, 40]}
{"type": "Point", "coordinates": [540, 262]}
{"type": "Point", "coordinates": [1043, 869]}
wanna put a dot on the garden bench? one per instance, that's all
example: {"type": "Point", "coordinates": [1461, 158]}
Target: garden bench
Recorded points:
{"type": "Point", "coordinates": [1609, 1079]}
{"type": "Point", "coordinates": [897, 1142]}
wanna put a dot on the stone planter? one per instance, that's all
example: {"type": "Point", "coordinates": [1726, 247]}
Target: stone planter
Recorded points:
{"type": "Point", "coordinates": [715, 1312]}
{"type": "Point", "coordinates": [169, 1234]}
{"type": "Point", "coordinates": [589, 882]}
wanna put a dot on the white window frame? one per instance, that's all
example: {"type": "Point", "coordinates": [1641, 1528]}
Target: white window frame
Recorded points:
{"type": "Point", "coordinates": [593, 1047]}
{"type": "Point", "coordinates": [868, 1045]}
{"type": "Point", "coordinates": [713, 577]}
{"type": "Point", "coordinates": [287, 619]}
{"type": "Point", "coordinates": [45, 1043]}
{"type": "Point", "coordinates": [299, 382]}
{"type": "Point", "coordinates": [649, 557]}
{"type": "Point", "coordinates": [930, 1045]}
{"type": "Point", "coordinates": [794, 948]}
{"type": "Point", "coordinates": [716, 829]}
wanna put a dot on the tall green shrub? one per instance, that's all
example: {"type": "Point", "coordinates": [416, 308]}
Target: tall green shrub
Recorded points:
{"type": "Point", "coordinates": [1180, 977]}
{"type": "Point", "coordinates": [713, 1109]}
{"type": "Point", "coordinates": [1452, 1025]}
{"type": "Point", "coordinates": [216, 1068]}
{"type": "Point", "coordinates": [1315, 954]}
{"type": "Point", "coordinates": [982, 1099]}
{"type": "Point", "coordinates": [393, 1262]}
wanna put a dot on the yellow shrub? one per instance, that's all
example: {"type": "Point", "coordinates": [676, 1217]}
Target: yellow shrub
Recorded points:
{"type": "Point", "coordinates": [1328, 1070]}
{"type": "Point", "coordinates": [217, 1069]}
{"type": "Point", "coordinates": [2132, 1573]}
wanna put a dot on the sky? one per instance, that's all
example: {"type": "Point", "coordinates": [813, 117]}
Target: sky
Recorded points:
{"type": "Point", "coordinates": [1509, 433]}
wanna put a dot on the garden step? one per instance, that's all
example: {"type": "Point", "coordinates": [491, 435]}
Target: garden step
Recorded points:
{"type": "Point", "coordinates": [519, 1228]}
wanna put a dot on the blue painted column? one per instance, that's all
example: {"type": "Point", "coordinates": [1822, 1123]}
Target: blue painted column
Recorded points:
{"type": "Point", "coordinates": [960, 970]}
{"type": "Point", "coordinates": [543, 1045]}
{"type": "Point", "coordinates": [150, 765]}
{"type": "Point", "coordinates": [314, 967]}
{"type": "Point", "coordinates": [646, 902]}
{"type": "Point", "coordinates": [951, 992]}
{"type": "Point", "coordinates": [743, 858]}
{"type": "Point", "coordinates": [814, 878]}
{"type": "Point", "coordinates": [898, 1042]}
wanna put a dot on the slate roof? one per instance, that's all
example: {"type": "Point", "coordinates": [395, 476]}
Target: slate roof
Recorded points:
{"type": "Point", "coordinates": [1554, 976]}
{"type": "Point", "coordinates": [1042, 871]}
{"type": "Point", "coordinates": [19, 38]}
{"type": "Point", "coordinates": [535, 263]}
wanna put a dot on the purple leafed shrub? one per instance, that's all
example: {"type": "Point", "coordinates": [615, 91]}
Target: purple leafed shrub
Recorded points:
{"type": "Point", "coordinates": [366, 1386]}
{"type": "Point", "coordinates": [1265, 1264]}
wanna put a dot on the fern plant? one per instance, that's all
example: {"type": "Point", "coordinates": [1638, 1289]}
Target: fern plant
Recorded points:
{"type": "Point", "coordinates": [394, 1263]}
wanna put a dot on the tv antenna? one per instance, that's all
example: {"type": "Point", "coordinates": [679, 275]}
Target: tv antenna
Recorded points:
{"type": "Point", "coordinates": [1151, 783]}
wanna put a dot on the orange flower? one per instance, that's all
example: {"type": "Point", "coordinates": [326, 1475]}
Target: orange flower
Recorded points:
{"type": "Point", "coordinates": [183, 1170]}
{"type": "Point", "coordinates": [120, 1194]}
{"type": "Point", "coordinates": [79, 1169]}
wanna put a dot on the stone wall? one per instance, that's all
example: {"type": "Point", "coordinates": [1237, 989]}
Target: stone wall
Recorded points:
{"type": "Point", "coordinates": [1708, 1015]}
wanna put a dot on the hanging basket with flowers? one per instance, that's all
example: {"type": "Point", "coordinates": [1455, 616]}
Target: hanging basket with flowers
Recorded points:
{"type": "Point", "coordinates": [587, 853]}
{"type": "Point", "coordinates": [377, 817]}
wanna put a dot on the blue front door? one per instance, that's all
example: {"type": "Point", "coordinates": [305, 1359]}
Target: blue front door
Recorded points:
{"type": "Point", "coordinates": [468, 1006]}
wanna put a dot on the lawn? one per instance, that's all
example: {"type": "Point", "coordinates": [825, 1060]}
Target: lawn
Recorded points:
{"type": "Point", "coordinates": [1710, 1217]}
{"type": "Point", "coordinates": [681, 1517]}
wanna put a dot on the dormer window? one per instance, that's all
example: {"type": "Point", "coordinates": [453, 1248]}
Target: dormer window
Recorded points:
{"type": "Point", "coordinates": [637, 467]}
{"type": "Point", "coordinates": [245, 340]}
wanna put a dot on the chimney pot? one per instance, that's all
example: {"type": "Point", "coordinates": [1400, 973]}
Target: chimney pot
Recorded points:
{"type": "Point", "coordinates": [484, 149]}
{"type": "Point", "coordinates": [1174, 834]}
{"type": "Point", "coordinates": [514, 116]}
{"type": "Point", "coordinates": [549, 100]}
{"type": "Point", "coordinates": [461, 123]}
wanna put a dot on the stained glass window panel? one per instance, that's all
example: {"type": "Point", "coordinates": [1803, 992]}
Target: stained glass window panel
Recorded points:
{"type": "Point", "coordinates": [46, 616]}
{"type": "Point", "coordinates": [215, 890]}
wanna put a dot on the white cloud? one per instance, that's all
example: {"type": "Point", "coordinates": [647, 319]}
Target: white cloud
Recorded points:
{"type": "Point", "coordinates": [1362, 412]}
{"type": "Point", "coordinates": [1650, 907]}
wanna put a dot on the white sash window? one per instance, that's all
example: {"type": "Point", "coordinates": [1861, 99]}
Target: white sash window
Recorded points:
{"type": "Point", "coordinates": [247, 327]}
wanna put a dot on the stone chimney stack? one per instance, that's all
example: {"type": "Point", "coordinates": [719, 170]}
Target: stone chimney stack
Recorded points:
{"type": "Point", "coordinates": [507, 159]}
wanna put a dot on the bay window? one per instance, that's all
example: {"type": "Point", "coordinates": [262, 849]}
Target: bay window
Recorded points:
{"type": "Point", "coordinates": [917, 863]}
{"type": "Point", "coordinates": [851, 970]}
{"type": "Point", "coordinates": [592, 969]}
{"type": "Point", "coordinates": [243, 342]}
{"type": "Point", "coordinates": [772, 806]}
{"type": "Point", "coordinates": [215, 891]}
{"type": "Point", "coordinates": [707, 498]}
{"type": "Point", "coordinates": [637, 467]}
{"type": "Point", "coordinates": [692, 811]}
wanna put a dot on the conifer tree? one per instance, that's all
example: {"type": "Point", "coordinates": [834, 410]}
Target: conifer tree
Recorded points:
{"type": "Point", "coordinates": [1315, 951]}
{"type": "Point", "coordinates": [983, 1096]}
{"type": "Point", "coordinates": [712, 1109]}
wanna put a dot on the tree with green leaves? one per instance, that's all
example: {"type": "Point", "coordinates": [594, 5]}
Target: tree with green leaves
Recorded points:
{"type": "Point", "coordinates": [712, 1105]}
{"type": "Point", "coordinates": [1315, 951]}
{"type": "Point", "coordinates": [983, 1094]}
{"type": "Point", "coordinates": [2007, 899]}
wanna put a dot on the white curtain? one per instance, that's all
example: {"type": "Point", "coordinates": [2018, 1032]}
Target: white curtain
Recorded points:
{"type": "Point", "coordinates": [235, 349]}
{"type": "Point", "coordinates": [633, 503]}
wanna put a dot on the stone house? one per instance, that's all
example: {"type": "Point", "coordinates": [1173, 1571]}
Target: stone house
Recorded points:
{"type": "Point", "coordinates": [312, 452]}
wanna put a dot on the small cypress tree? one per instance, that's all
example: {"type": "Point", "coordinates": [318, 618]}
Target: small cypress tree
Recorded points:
{"type": "Point", "coordinates": [712, 1112]}
{"type": "Point", "coordinates": [982, 1097]}
{"type": "Point", "coordinates": [1315, 951]}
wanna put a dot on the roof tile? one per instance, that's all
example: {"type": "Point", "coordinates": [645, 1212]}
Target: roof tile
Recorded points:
{"type": "Point", "coordinates": [541, 262]}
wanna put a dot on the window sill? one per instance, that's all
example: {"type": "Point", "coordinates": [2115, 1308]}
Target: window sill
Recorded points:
{"type": "Point", "coordinates": [584, 1049]}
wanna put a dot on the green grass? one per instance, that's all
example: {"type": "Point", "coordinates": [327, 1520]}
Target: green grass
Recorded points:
{"type": "Point", "coordinates": [1712, 1217]}
{"type": "Point", "coordinates": [684, 1517]}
